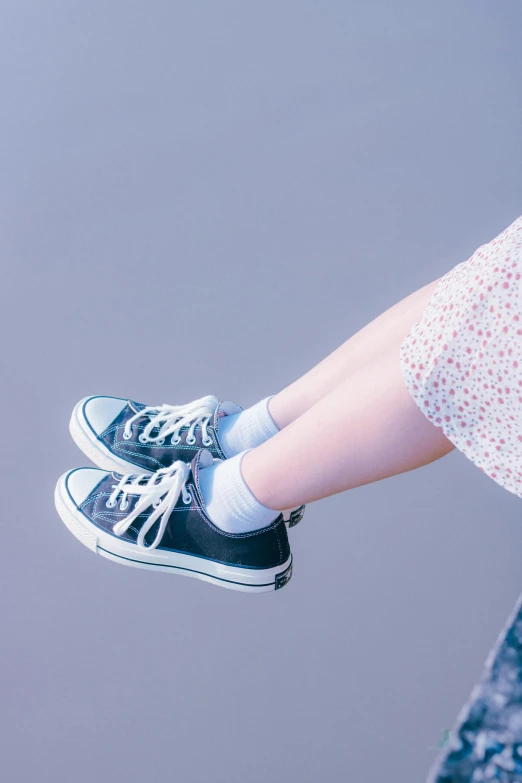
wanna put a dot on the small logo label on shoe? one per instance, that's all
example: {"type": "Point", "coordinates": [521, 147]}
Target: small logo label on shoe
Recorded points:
{"type": "Point", "coordinates": [282, 579]}
{"type": "Point", "coordinates": [296, 516]}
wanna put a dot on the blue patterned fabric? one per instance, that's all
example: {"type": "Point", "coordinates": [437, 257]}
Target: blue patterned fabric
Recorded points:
{"type": "Point", "coordinates": [486, 744]}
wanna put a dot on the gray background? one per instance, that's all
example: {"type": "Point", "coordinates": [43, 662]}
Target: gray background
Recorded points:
{"type": "Point", "coordinates": [208, 197]}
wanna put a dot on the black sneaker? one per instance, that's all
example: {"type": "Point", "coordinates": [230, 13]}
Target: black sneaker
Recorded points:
{"type": "Point", "coordinates": [121, 435]}
{"type": "Point", "coordinates": [159, 522]}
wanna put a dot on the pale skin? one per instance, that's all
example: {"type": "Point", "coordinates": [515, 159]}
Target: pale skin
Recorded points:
{"type": "Point", "coordinates": [349, 421]}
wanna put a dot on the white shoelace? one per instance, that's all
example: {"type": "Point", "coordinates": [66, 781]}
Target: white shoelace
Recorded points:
{"type": "Point", "coordinates": [161, 491]}
{"type": "Point", "coordinates": [169, 419]}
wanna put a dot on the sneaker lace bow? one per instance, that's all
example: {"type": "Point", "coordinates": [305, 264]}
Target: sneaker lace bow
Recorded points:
{"type": "Point", "coordinates": [161, 491]}
{"type": "Point", "coordinates": [170, 419]}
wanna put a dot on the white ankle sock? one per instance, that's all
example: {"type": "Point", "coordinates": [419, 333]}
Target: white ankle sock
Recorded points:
{"type": "Point", "coordinates": [228, 501]}
{"type": "Point", "coordinates": [247, 429]}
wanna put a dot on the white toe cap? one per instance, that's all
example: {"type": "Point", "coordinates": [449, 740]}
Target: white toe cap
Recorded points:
{"type": "Point", "coordinates": [81, 482]}
{"type": "Point", "coordinates": [100, 412]}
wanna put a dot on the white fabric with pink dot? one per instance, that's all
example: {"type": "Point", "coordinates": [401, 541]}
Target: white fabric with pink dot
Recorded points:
{"type": "Point", "coordinates": [462, 362]}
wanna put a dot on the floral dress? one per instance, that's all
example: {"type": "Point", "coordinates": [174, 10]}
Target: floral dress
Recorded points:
{"type": "Point", "coordinates": [462, 362]}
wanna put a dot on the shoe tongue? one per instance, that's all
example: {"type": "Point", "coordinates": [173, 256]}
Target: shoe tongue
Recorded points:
{"type": "Point", "coordinates": [205, 459]}
{"type": "Point", "coordinates": [228, 408]}
{"type": "Point", "coordinates": [202, 459]}
{"type": "Point", "coordinates": [225, 408]}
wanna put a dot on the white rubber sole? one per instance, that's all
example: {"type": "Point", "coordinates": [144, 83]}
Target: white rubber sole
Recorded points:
{"type": "Point", "coordinates": [248, 580]}
{"type": "Point", "coordinates": [99, 454]}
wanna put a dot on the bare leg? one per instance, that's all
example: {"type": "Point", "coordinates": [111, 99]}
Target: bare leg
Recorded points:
{"type": "Point", "coordinates": [365, 429]}
{"type": "Point", "coordinates": [381, 335]}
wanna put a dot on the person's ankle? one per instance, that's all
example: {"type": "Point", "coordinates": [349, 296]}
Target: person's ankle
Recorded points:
{"type": "Point", "coordinates": [277, 411]}
{"type": "Point", "coordinates": [260, 485]}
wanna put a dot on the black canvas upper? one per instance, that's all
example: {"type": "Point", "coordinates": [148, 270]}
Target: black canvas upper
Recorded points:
{"type": "Point", "coordinates": [189, 529]}
{"type": "Point", "coordinates": [151, 456]}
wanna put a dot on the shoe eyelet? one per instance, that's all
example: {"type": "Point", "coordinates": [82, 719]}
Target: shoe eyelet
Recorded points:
{"type": "Point", "coordinates": [123, 505]}
{"type": "Point", "coordinates": [109, 504]}
{"type": "Point", "coordinates": [208, 442]}
{"type": "Point", "coordinates": [160, 442]}
{"type": "Point", "coordinates": [143, 438]}
{"type": "Point", "coordinates": [126, 436]}
{"type": "Point", "coordinates": [156, 503]}
{"type": "Point", "coordinates": [175, 441]}
{"type": "Point", "coordinates": [188, 499]}
{"type": "Point", "coordinates": [190, 441]}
